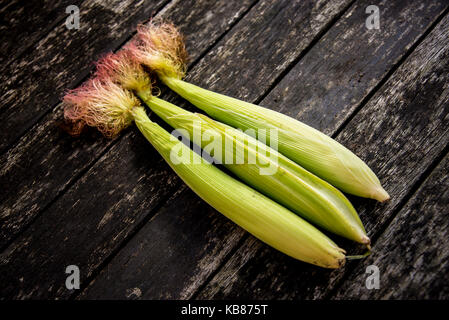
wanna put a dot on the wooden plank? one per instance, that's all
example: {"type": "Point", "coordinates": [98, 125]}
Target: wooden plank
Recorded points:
{"type": "Point", "coordinates": [152, 267]}
{"type": "Point", "coordinates": [32, 85]}
{"type": "Point", "coordinates": [260, 48]}
{"type": "Point", "coordinates": [412, 256]}
{"type": "Point", "coordinates": [200, 255]}
{"type": "Point", "coordinates": [23, 23]}
{"type": "Point", "coordinates": [44, 163]}
{"type": "Point", "coordinates": [46, 160]}
{"type": "Point", "coordinates": [88, 223]}
{"type": "Point", "coordinates": [399, 133]}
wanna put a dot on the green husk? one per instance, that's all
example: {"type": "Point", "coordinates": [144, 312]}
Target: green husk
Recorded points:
{"type": "Point", "coordinates": [301, 143]}
{"type": "Point", "coordinates": [262, 217]}
{"type": "Point", "coordinates": [284, 181]}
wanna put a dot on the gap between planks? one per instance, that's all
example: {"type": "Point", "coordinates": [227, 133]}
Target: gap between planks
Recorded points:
{"type": "Point", "coordinates": [125, 241]}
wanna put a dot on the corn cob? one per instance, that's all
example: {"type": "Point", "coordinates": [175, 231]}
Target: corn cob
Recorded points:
{"type": "Point", "coordinates": [259, 166]}
{"type": "Point", "coordinates": [110, 108]}
{"type": "Point", "coordinates": [161, 48]}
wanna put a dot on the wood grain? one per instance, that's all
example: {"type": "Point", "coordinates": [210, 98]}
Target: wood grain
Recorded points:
{"type": "Point", "coordinates": [23, 23]}
{"type": "Point", "coordinates": [94, 217]}
{"type": "Point", "coordinates": [399, 133]}
{"type": "Point", "coordinates": [201, 257]}
{"type": "Point", "coordinates": [44, 163]}
{"type": "Point", "coordinates": [411, 254]}
{"type": "Point", "coordinates": [151, 267]}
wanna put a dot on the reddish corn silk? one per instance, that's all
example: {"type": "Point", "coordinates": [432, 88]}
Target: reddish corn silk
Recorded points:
{"type": "Point", "coordinates": [161, 47]}
{"type": "Point", "coordinates": [100, 103]}
{"type": "Point", "coordinates": [123, 68]}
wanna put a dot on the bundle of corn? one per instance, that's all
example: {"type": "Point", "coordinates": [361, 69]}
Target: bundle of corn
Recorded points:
{"type": "Point", "coordinates": [110, 108]}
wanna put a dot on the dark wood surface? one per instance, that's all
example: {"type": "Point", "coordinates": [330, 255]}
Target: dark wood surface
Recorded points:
{"type": "Point", "coordinates": [116, 210]}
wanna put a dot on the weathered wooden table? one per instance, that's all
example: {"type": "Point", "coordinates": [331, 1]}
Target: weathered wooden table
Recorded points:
{"type": "Point", "coordinates": [114, 208]}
